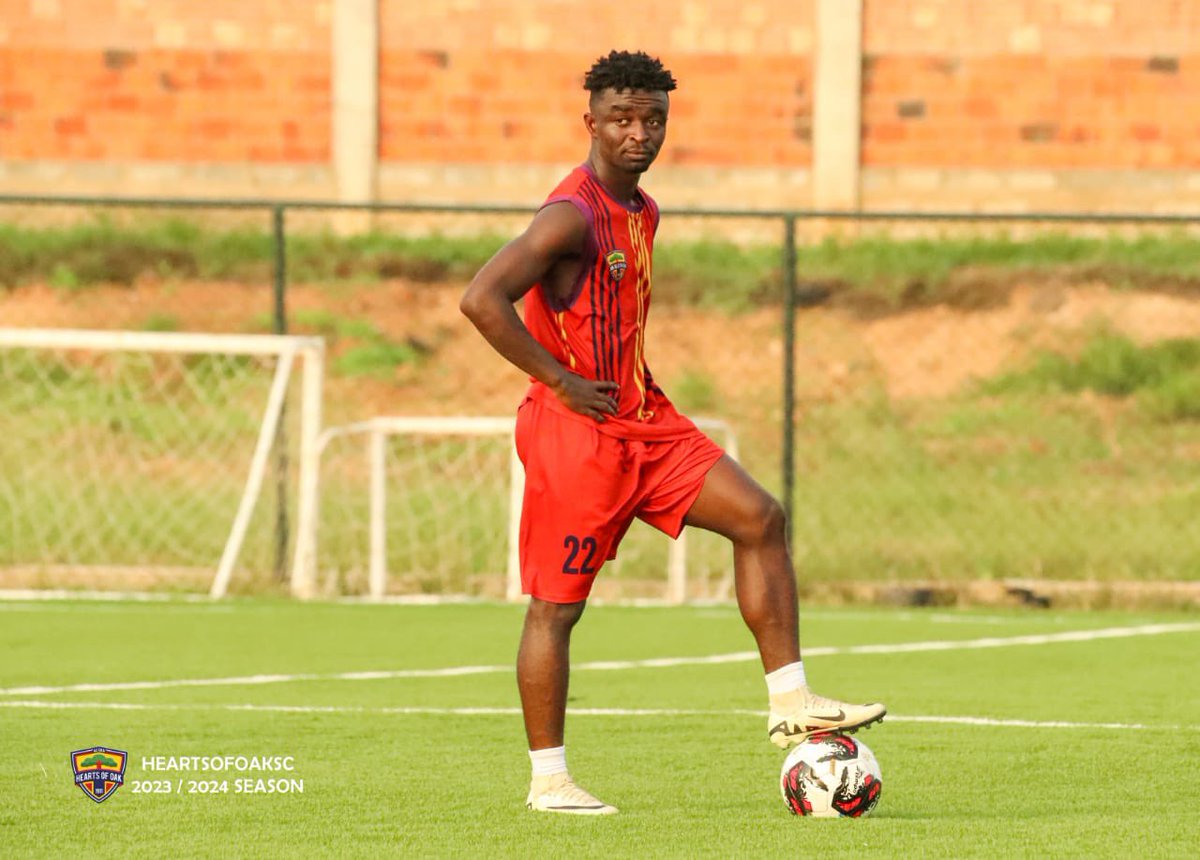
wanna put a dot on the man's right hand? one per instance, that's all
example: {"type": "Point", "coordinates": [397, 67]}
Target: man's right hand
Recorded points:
{"type": "Point", "coordinates": [593, 398]}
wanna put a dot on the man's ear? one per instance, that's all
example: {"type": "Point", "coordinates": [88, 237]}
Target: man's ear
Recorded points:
{"type": "Point", "coordinates": [589, 122]}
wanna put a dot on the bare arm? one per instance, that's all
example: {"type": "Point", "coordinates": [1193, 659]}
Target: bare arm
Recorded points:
{"type": "Point", "coordinates": [556, 232]}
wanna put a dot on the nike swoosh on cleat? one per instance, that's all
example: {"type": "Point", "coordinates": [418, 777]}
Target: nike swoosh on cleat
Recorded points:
{"type": "Point", "coordinates": [575, 807]}
{"type": "Point", "coordinates": [833, 718]}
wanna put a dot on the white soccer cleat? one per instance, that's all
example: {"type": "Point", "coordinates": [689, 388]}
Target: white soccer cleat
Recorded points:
{"type": "Point", "coordinates": [559, 793]}
{"type": "Point", "coordinates": [796, 716]}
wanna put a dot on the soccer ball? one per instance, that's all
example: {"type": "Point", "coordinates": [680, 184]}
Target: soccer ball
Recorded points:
{"type": "Point", "coordinates": [831, 775]}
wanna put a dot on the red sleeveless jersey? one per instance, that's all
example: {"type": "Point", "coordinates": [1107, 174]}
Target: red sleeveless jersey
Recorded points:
{"type": "Point", "coordinates": [599, 330]}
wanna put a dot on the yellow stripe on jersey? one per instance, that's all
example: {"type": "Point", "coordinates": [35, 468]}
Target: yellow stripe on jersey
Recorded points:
{"type": "Point", "coordinates": [642, 255]}
{"type": "Point", "coordinates": [562, 329]}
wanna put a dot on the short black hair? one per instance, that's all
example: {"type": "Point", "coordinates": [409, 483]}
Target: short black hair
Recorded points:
{"type": "Point", "coordinates": [625, 70]}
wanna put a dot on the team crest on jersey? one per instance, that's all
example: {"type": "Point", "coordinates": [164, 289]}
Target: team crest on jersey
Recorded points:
{"type": "Point", "coordinates": [616, 264]}
{"type": "Point", "coordinates": [99, 771]}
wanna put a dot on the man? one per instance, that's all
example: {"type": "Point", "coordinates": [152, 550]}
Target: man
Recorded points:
{"type": "Point", "coordinates": [600, 441]}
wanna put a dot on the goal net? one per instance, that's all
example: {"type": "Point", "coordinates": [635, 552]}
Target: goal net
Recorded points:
{"type": "Point", "coordinates": [431, 505]}
{"type": "Point", "coordinates": [142, 461]}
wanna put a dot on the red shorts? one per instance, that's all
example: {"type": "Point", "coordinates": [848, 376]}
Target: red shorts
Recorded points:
{"type": "Point", "coordinates": [583, 488]}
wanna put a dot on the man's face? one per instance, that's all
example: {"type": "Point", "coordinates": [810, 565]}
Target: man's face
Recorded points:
{"type": "Point", "coordinates": [628, 127]}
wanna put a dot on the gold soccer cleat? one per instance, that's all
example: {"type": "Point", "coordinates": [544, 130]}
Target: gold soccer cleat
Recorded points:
{"type": "Point", "coordinates": [559, 793]}
{"type": "Point", "coordinates": [796, 716]}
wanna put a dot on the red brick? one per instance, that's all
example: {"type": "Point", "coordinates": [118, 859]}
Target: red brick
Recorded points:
{"type": "Point", "coordinates": [16, 100]}
{"type": "Point", "coordinates": [123, 102]}
{"type": "Point", "coordinates": [70, 126]}
{"type": "Point", "coordinates": [1145, 133]}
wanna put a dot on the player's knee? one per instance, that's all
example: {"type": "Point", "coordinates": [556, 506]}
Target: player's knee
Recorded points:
{"type": "Point", "coordinates": [560, 616]}
{"type": "Point", "coordinates": [765, 521]}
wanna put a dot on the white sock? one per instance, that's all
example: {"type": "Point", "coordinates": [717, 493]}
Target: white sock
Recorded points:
{"type": "Point", "coordinates": [549, 761]}
{"type": "Point", "coordinates": [786, 679]}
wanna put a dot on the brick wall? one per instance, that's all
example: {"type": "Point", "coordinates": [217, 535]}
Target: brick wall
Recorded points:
{"type": "Point", "coordinates": [502, 82]}
{"type": "Point", "coordinates": [480, 88]}
{"type": "Point", "coordinates": [1048, 84]}
{"type": "Point", "coordinates": [164, 80]}
{"type": "Point", "coordinates": [1040, 83]}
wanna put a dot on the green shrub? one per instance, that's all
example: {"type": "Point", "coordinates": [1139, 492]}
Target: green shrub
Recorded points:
{"type": "Point", "coordinates": [160, 322]}
{"type": "Point", "coordinates": [63, 277]}
{"type": "Point", "coordinates": [331, 325]}
{"type": "Point", "coordinates": [1175, 399]}
{"type": "Point", "coordinates": [1164, 376]}
{"type": "Point", "coordinates": [379, 359]}
{"type": "Point", "coordinates": [694, 390]}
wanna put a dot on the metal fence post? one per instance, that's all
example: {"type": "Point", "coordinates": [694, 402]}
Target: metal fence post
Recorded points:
{"type": "Point", "coordinates": [279, 236]}
{"type": "Point", "coordinates": [789, 369]}
{"type": "Point", "coordinates": [282, 527]}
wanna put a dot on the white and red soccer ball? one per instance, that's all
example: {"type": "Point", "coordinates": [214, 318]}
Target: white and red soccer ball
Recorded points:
{"type": "Point", "coordinates": [831, 775]}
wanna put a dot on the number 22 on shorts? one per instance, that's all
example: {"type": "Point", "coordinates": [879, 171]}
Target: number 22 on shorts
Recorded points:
{"type": "Point", "coordinates": [575, 547]}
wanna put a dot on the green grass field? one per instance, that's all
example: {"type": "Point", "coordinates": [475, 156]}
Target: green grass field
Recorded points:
{"type": "Point", "coordinates": [1079, 739]}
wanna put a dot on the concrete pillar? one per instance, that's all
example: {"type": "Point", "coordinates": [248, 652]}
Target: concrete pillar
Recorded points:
{"type": "Point", "coordinates": [837, 104]}
{"type": "Point", "coordinates": [356, 99]}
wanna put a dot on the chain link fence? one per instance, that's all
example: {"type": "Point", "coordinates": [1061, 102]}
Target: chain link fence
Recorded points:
{"type": "Point", "coordinates": [935, 397]}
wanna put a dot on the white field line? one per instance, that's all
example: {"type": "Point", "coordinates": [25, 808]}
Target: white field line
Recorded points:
{"type": "Point", "coordinates": [40, 595]}
{"type": "Point", "coordinates": [579, 712]}
{"type": "Point", "coordinates": [92, 602]}
{"type": "Point", "coordinates": [62, 600]}
{"type": "Point", "coordinates": [612, 665]}
{"type": "Point", "coordinates": [11, 598]}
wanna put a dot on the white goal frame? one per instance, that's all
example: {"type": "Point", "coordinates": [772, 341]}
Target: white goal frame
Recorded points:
{"type": "Point", "coordinates": [376, 432]}
{"type": "Point", "coordinates": [310, 351]}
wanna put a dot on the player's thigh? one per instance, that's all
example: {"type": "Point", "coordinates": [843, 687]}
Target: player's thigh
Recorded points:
{"type": "Point", "coordinates": [672, 476]}
{"type": "Point", "coordinates": [733, 504]}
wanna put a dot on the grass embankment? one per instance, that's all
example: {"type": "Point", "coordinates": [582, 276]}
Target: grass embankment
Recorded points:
{"type": "Point", "coordinates": [1031, 483]}
{"type": "Point", "coordinates": [878, 272]}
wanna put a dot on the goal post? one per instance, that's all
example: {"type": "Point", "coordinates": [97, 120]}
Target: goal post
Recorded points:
{"type": "Point", "coordinates": [138, 457]}
{"type": "Point", "coordinates": [437, 483]}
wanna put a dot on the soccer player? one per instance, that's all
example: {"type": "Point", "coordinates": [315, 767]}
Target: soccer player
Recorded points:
{"type": "Point", "coordinates": [600, 441]}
